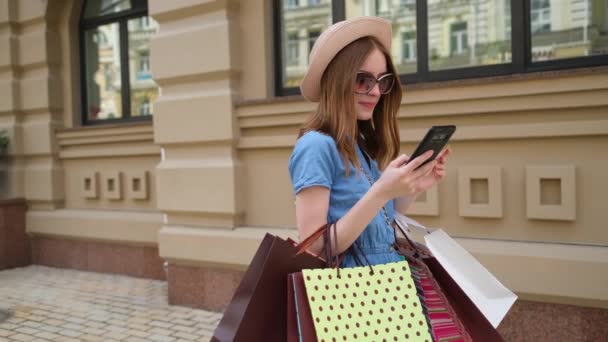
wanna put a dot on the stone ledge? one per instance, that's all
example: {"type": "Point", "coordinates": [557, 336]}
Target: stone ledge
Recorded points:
{"type": "Point", "coordinates": [105, 225]}
{"type": "Point", "coordinates": [222, 248]}
{"type": "Point", "coordinates": [554, 267]}
{"type": "Point", "coordinates": [96, 256]}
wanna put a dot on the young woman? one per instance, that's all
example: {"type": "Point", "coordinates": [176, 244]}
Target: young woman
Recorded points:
{"type": "Point", "coordinates": [345, 166]}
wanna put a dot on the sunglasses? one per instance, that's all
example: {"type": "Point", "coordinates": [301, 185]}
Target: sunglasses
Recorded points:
{"type": "Point", "coordinates": [365, 82]}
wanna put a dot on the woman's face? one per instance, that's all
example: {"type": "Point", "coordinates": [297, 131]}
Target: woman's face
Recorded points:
{"type": "Point", "coordinates": [375, 64]}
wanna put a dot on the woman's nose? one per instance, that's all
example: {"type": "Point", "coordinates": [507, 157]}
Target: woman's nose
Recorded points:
{"type": "Point", "coordinates": [375, 91]}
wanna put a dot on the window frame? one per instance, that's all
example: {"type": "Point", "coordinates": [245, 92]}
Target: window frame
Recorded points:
{"type": "Point", "coordinates": [521, 50]}
{"type": "Point", "coordinates": [139, 8]}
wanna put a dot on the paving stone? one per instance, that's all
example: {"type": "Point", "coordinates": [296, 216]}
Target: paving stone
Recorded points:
{"type": "Point", "coordinates": [26, 330]}
{"type": "Point", "coordinates": [69, 333]}
{"type": "Point", "coordinates": [61, 305]}
{"type": "Point", "coordinates": [22, 337]}
{"type": "Point", "coordinates": [186, 336]}
{"type": "Point", "coordinates": [47, 335]}
{"type": "Point", "coordinates": [185, 329]}
{"type": "Point", "coordinates": [161, 338]}
{"type": "Point", "coordinates": [160, 324]}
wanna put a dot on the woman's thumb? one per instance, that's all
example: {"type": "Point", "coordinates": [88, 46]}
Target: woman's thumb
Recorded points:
{"type": "Point", "coordinates": [400, 160]}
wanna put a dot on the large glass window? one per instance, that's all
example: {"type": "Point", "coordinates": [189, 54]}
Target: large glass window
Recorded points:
{"type": "Point", "coordinates": [568, 29]}
{"type": "Point", "coordinates": [437, 40]}
{"type": "Point", "coordinates": [301, 22]}
{"type": "Point", "coordinates": [468, 33]}
{"type": "Point", "coordinates": [403, 15]}
{"type": "Point", "coordinates": [115, 42]}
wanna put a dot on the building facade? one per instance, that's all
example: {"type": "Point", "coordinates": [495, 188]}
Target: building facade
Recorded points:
{"type": "Point", "coordinates": [151, 138]}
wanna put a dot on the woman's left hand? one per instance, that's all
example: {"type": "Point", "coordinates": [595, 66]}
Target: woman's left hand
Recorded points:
{"type": "Point", "coordinates": [438, 172]}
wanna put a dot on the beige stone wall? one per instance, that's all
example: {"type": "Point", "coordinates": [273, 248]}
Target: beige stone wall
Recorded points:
{"type": "Point", "coordinates": [214, 160]}
{"type": "Point", "coordinates": [511, 134]}
{"type": "Point", "coordinates": [50, 155]}
{"type": "Point", "coordinates": [30, 104]}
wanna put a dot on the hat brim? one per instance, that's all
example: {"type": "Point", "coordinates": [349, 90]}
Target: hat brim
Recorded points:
{"type": "Point", "coordinates": [332, 41]}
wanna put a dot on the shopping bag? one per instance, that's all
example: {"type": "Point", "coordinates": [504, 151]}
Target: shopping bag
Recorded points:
{"type": "Point", "coordinates": [491, 297]}
{"type": "Point", "coordinates": [365, 303]}
{"type": "Point", "coordinates": [300, 327]}
{"type": "Point", "coordinates": [258, 308]}
{"type": "Point", "coordinates": [443, 320]}
{"type": "Point", "coordinates": [483, 290]}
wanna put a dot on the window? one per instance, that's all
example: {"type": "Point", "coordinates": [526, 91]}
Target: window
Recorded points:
{"type": "Point", "coordinates": [540, 16]}
{"type": "Point", "coordinates": [144, 108]}
{"type": "Point", "coordinates": [299, 26]}
{"type": "Point", "coordinates": [293, 47]}
{"type": "Point", "coordinates": [312, 38]}
{"type": "Point", "coordinates": [409, 47]}
{"type": "Point", "coordinates": [115, 61]}
{"type": "Point", "coordinates": [458, 38]}
{"type": "Point", "coordinates": [577, 30]}
{"type": "Point", "coordinates": [438, 40]}
{"type": "Point", "coordinates": [292, 3]}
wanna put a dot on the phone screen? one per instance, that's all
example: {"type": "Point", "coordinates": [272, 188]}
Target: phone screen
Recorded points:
{"type": "Point", "coordinates": [435, 139]}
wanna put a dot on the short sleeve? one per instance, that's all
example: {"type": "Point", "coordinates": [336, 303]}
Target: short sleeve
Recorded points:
{"type": "Point", "coordinates": [312, 162]}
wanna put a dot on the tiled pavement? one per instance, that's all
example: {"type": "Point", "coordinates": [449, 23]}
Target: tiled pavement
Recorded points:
{"type": "Point", "coordinates": [52, 304]}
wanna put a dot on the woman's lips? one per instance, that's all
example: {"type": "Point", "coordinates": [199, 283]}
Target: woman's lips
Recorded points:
{"type": "Point", "coordinates": [368, 105]}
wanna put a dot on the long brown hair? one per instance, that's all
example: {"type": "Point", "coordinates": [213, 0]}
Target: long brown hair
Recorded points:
{"type": "Point", "coordinates": [336, 115]}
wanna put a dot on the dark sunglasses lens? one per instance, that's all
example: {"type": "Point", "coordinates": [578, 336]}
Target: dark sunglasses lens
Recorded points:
{"type": "Point", "coordinates": [386, 84]}
{"type": "Point", "coordinates": [364, 83]}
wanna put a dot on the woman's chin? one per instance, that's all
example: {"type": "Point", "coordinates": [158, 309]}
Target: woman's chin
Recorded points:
{"type": "Point", "coordinates": [365, 115]}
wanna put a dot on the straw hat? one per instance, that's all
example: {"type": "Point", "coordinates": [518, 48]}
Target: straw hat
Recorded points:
{"type": "Point", "coordinates": [334, 39]}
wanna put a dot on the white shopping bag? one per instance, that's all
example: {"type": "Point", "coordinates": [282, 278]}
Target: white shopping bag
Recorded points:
{"type": "Point", "coordinates": [490, 296]}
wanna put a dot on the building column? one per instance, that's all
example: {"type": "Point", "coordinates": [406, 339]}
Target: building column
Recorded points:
{"type": "Point", "coordinates": [195, 62]}
{"type": "Point", "coordinates": [32, 107]}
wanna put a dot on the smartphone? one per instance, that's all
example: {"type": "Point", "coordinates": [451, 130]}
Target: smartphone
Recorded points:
{"type": "Point", "coordinates": [435, 139]}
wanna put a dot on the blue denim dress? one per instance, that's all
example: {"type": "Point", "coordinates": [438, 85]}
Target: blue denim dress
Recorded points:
{"type": "Point", "coordinates": [315, 161]}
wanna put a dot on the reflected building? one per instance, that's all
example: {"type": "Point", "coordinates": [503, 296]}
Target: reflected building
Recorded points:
{"type": "Point", "coordinates": [568, 28]}
{"type": "Point", "coordinates": [461, 33]}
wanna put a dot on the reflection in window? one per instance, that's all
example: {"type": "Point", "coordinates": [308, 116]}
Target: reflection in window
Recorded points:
{"type": "Point", "coordinates": [143, 89]}
{"type": "Point", "coordinates": [144, 63]}
{"type": "Point", "coordinates": [312, 38]}
{"type": "Point", "coordinates": [409, 47]}
{"type": "Point", "coordinates": [97, 8]}
{"type": "Point", "coordinates": [402, 14]}
{"type": "Point", "coordinates": [468, 33]}
{"type": "Point", "coordinates": [301, 24]}
{"type": "Point", "coordinates": [102, 72]}
{"type": "Point", "coordinates": [459, 41]}
{"type": "Point", "coordinates": [115, 88]}
{"type": "Point", "coordinates": [144, 107]}
{"type": "Point", "coordinates": [568, 29]}
{"type": "Point", "coordinates": [540, 16]}
{"type": "Point", "coordinates": [293, 48]}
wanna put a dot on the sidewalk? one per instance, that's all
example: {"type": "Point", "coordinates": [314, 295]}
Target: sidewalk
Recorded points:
{"type": "Point", "coordinates": [52, 304]}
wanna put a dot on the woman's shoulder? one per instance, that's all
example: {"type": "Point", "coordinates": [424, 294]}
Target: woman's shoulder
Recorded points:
{"type": "Point", "coordinates": [316, 139]}
{"type": "Point", "coordinates": [314, 146]}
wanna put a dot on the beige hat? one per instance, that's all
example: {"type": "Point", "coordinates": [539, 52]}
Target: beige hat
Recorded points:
{"type": "Point", "coordinates": [334, 39]}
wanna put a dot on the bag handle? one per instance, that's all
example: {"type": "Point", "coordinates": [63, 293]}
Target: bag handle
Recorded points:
{"type": "Point", "coordinates": [411, 243]}
{"type": "Point", "coordinates": [332, 258]}
{"type": "Point", "coordinates": [312, 238]}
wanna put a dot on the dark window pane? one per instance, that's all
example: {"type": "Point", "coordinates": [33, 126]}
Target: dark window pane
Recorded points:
{"type": "Point", "coordinates": [102, 66]}
{"type": "Point", "coordinates": [568, 29]}
{"type": "Point", "coordinates": [302, 23]}
{"type": "Point", "coordinates": [96, 8]}
{"type": "Point", "coordinates": [402, 14]}
{"type": "Point", "coordinates": [468, 33]}
{"type": "Point", "coordinates": [143, 88]}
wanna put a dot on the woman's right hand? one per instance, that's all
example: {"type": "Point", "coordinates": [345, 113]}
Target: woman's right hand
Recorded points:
{"type": "Point", "coordinates": [400, 178]}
